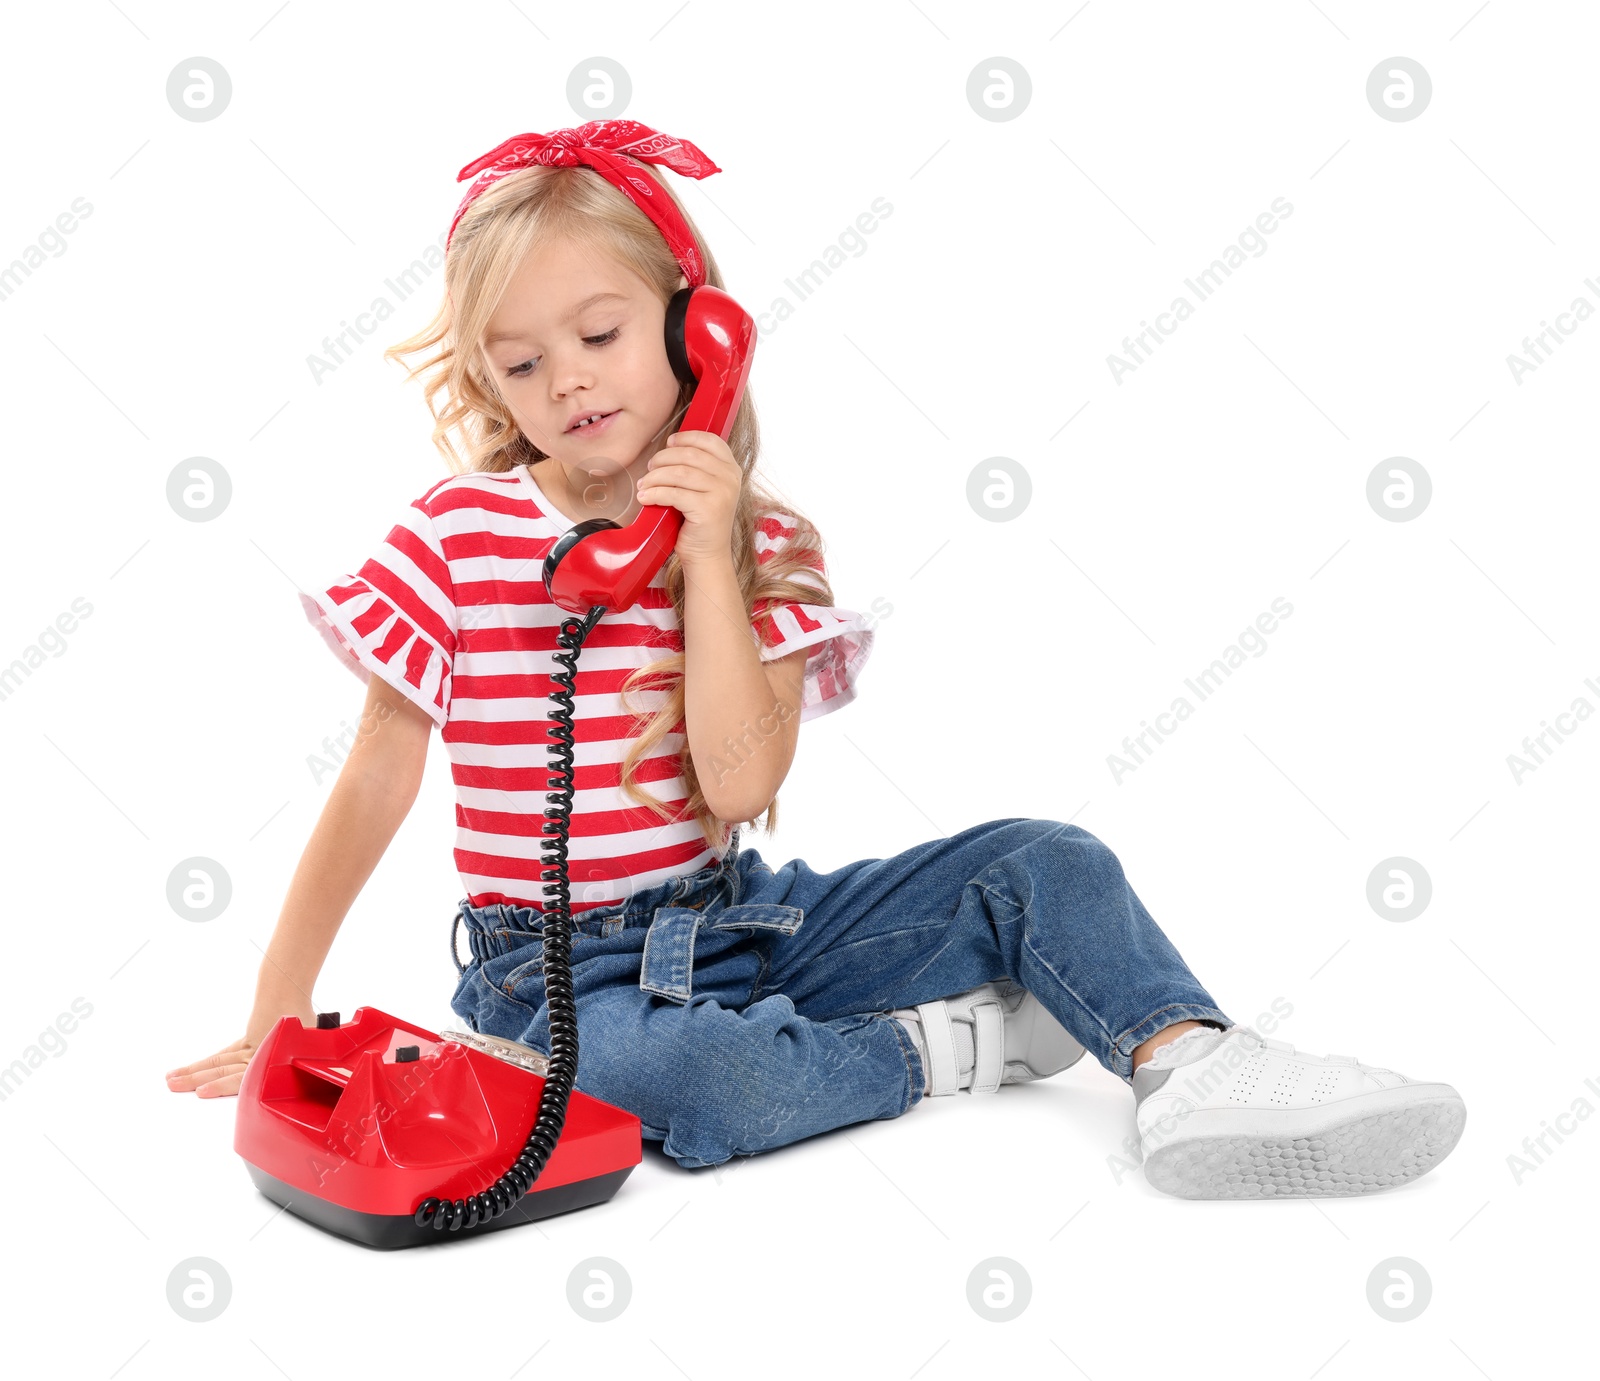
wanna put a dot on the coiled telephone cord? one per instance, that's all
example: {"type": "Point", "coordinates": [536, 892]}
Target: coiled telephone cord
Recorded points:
{"type": "Point", "coordinates": [451, 1215]}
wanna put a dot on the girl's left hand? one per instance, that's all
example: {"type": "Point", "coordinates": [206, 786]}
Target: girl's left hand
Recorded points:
{"type": "Point", "coordinates": [699, 476]}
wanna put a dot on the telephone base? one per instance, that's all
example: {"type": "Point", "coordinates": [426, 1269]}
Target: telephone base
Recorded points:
{"type": "Point", "coordinates": [353, 1126]}
{"type": "Point", "coordinates": [387, 1232]}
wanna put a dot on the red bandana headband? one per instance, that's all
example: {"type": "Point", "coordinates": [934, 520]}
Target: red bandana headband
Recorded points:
{"type": "Point", "coordinates": [610, 147]}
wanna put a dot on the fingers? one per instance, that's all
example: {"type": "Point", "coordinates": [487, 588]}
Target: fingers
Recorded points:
{"type": "Point", "coordinates": [675, 469]}
{"type": "Point", "coordinates": [212, 1082]}
{"type": "Point", "coordinates": [225, 1087]}
{"type": "Point", "coordinates": [664, 495]}
{"type": "Point", "coordinates": [694, 455]}
{"type": "Point", "coordinates": [225, 1064]}
{"type": "Point", "coordinates": [673, 477]}
{"type": "Point", "coordinates": [689, 502]}
{"type": "Point", "coordinates": [210, 1061]}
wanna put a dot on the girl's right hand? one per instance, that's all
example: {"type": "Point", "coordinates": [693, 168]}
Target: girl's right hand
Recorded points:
{"type": "Point", "coordinates": [219, 1075]}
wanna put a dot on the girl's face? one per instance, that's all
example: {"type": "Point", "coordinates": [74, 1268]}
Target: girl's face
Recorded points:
{"type": "Point", "coordinates": [578, 334]}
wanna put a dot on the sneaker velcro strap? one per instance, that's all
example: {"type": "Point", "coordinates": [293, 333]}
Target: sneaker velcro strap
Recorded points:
{"type": "Point", "coordinates": [940, 1048]}
{"type": "Point", "coordinates": [988, 1040]}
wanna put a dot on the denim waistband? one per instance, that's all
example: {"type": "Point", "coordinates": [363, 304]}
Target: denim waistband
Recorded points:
{"type": "Point", "coordinates": [691, 890]}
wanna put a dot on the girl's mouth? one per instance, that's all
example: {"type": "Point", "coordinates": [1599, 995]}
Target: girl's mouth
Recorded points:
{"type": "Point", "coordinates": [590, 428]}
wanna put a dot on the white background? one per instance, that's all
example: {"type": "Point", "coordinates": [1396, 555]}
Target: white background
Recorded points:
{"type": "Point", "coordinates": [1167, 512]}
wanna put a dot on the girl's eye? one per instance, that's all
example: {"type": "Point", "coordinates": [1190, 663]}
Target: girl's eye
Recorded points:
{"type": "Point", "coordinates": [516, 372]}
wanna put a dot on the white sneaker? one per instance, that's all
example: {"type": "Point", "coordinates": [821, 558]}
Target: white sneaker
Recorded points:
{"type": "Point", "coordinates": [1252, 1118]}
{"type": "Point", "coordinates": [999, 1033]}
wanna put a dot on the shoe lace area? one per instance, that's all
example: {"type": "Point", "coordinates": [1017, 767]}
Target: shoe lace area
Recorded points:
{"type": "Point", "coordinates": [1254, 1040]}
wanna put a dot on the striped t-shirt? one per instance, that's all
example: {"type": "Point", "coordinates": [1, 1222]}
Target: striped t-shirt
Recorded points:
{"type": "Point", "coordinates": [451, 610]}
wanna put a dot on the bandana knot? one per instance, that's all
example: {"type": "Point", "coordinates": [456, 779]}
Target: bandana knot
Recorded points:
{"type": "Point", "coordinates": [614, 149]}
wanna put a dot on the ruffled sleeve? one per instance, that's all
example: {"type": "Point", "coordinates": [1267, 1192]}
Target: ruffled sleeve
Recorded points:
{"type": "Point", "coordinates": [840, 639]}
{"type": "Point", "coordinates": [396, 616]}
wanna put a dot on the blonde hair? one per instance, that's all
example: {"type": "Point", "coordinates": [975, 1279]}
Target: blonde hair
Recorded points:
{"type": "Point", "coordinates": [537, 206]}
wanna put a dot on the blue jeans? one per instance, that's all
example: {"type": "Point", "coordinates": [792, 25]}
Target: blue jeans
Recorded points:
{"type": "Point", "coordinates": [742, 1007]}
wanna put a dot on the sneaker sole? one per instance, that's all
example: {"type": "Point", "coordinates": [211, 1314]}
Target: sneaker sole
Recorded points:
{"type": "Point", "coordinates": [1374, 1142]}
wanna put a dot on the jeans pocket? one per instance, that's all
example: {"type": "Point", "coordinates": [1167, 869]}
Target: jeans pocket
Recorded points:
{"type": "Point", "coordinates": [684, 938]}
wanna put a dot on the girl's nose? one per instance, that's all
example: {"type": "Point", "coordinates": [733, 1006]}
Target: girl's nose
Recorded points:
{"type": "Point", "coordinates": [567, 378]}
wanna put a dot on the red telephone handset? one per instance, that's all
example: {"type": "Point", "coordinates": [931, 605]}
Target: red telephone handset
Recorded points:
{"type": "Point", "coordinates": [710, 341]}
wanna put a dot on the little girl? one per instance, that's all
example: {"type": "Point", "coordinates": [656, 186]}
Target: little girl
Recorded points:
{"type": "Point", "coordinates": [732, 1006]}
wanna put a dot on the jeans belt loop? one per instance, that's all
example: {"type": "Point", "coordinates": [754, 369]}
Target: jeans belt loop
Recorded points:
{"type": "Point", "coordinates": [455, 959]}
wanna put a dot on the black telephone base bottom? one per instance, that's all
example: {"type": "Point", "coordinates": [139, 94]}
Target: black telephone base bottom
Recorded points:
{"type": "Point", "coordinates": [387, 1232]}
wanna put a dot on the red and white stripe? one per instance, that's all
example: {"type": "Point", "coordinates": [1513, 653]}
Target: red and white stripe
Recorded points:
{"type": "Point", "coordinates": [451, 610]}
